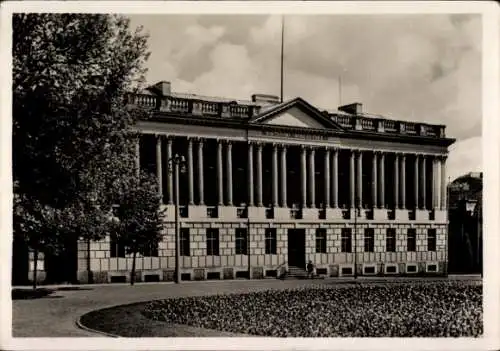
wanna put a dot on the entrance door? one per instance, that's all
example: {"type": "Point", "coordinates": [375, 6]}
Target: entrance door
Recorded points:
{"type": "Point", "coordinates": [297, 247]}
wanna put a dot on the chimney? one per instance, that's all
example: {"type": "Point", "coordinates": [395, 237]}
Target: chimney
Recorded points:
{"type": "Point", "coordinates": [164, 88]}
{"type": "Point", "coordinates": [264, 99]}
{"type": "Point", "coordinates": [354, 108]}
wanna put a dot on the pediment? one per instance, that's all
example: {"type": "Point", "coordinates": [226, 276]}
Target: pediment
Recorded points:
{"type": "Point", "coordinates": [296, 113]}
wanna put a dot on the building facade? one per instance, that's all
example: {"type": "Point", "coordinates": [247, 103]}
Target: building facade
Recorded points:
{"type": "Point", "coordinates": [270, 185]}
{"type": "Point", "coordinates": [465, 224]}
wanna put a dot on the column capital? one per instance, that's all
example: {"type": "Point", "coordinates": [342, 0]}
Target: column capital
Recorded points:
{"type": "Point", "coordinates": [442, 158]}
{"type": "Point", "coordinates": [283, 146]}
{"type": "Point", "coordinates": [201, 141]}
{"type": "Point", "coordinates": [170, 139]}
{"type": "Point", "coordinates": [334, 150]}
{"type": "Point", "coordinates": [158, 136]}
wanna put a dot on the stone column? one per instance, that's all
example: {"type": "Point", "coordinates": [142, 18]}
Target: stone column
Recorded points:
{"type": "Point", "coordinates": [191, 171]}
{"type": "Point", "coordinates": [159, 171]}
{"type": "Point", "coordinates": [220, 188]}
{"type": "Point", "coordinates": [250, 175]}
{"type": "Point", "coordinates": [415, 186]}
{"type": "Point", "coordinates": [229, 173]}
{"type": "Point", "coordinates": [423, 185]}
{"type": "Point", "coordinates": [436, 180]}
{"type": "Point", "coordinates": [374, 180]}
{"type": "Point", "coordinates": [200, 172]}
{"type": "Point", "coordinates": [360, 179]}
{"type": "Point", "coordinates": [259, 175]}
{"type": "Point", "coordinates": [303, 173]}
{"type": "Point", "coordinates": [352, 183]}
{"type": "Point", "coordinates": [137, 156]}
{"type": "Point", "coordinates": [283, 177]}
{"type": "Point", "coordinates": [327, 178]}
{"type": "Point", "coordinates": [335, 178]}
{"type": "Point", "coordinates": [170, 178]}
{"type": "Point", "coordinates": [382, 180]}
{"type": "Point", "coordinates": [444, 186]}
{"type": "Point", "coordinates": [396, 181]}
{"type": "Point", "coordinates": [275, 175]}
{"type": "Point", "coordinates": [312, 185]}
{"type": "Point", "coordinates": [403, 181]}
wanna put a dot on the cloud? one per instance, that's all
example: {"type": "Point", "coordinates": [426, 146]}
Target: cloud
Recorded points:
{"type": "Point", "coordinates": [411, 67]}
{"type": "Point", "coordinates": [465, 156]}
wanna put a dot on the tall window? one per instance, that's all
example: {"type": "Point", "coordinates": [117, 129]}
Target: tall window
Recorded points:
{"type": "Point", "coordinates": [431, 240]}
{"type": "Point", "coordinates": [185, 242]}
{"type": "Point", "coordinates": [116, 248]}
{"type": "Point", "coordinates": [321, 240]}
{"type": "Point", "coordinates": [346, 241]}
{"type": "Point", "coordinates": [241, 241]}
{"type": "Point", "coordinates": [411, 241]}
{"type": "Point", "coordinates": [390, 240]}
{"type": "Point", "coordinates": [369, 240]}
{"type": "Point", "coordinates": [150, 251]}
{"type": "Point", "coordinates": [213, 242]}
{"type": "Point", "coordinates": [270, 241]}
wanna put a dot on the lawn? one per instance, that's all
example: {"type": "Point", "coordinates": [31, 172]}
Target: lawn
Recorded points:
{"type": "Point", "coordinates": [436, 309]}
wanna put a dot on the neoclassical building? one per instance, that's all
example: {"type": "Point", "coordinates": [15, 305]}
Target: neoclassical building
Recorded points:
{"type": "Point", "coordinates": [270, 185]}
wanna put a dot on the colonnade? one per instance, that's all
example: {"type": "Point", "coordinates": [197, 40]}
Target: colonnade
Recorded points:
{"type": "Point", "coordinates": [307, 175]}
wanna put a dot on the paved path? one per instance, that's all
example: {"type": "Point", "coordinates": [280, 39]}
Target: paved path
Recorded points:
{"type": "Point", "coordinates": [56, 314]}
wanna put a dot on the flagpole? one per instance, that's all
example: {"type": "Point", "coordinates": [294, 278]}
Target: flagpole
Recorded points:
{"type": "Point", "coordinates": [282, 54]}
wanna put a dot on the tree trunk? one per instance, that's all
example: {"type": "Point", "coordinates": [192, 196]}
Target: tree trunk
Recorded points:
{"type": "Point", "coordinates": [35, 261]}
{"type": "Point", "coordinates": [132, 274]}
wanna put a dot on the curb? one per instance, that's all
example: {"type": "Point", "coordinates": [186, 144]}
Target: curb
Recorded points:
{"type": "Point", "coordinates": [79, 325]}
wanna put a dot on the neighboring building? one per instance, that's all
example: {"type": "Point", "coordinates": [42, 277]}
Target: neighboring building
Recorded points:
{"type": "Point", "coordinates": [270, 185]}
{"type": "Point", "coordinates": [465, 228]}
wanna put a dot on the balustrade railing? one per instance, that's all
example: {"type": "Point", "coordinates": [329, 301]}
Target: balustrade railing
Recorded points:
{"type": "Point", "coordinates": [233, 109]}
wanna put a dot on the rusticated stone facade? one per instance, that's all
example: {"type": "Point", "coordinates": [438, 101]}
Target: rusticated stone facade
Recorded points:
{"type": "Point", "coordinates": [270, 185]}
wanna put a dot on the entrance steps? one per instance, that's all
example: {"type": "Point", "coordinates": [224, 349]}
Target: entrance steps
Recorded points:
{"type": "Point", "coordinates": [295, 272]}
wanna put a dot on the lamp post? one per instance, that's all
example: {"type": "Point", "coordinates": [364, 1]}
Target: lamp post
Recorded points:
{"type": "Point", "coordinates": [177, 165]}
{"type": "Point", "coordinates": [357, 212]}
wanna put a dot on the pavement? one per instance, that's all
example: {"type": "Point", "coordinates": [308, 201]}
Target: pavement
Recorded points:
{"type": "Point", "coordinates": [56, 315]}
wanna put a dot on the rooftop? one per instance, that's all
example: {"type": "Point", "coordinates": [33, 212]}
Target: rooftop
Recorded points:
{"type": "Point", "coordinates": [351, 117]}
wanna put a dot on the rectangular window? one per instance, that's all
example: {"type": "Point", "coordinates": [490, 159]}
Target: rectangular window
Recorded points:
{"type": "Point", "coordinates": [321, 240]}
{"type": "Point", "coordinates": [213, 242]}
{"type": "Point", "coordinates": [116, 248]}
{"type": "Point", "coordinates": [241, 241]}
{"type": "Point", "coordinates": [270, 241]}
{"type": "Point", "coordinates": [346, 241]}
{"type": "Point", "coordinates": [411, 240]}
{"type": "Point", "coordinates": [369, 240]}
{"type": "Point", "coordinates": [390, 240]}
{"type": "Point", "coordinates": [431, 240]}
{"type": "Point", "coordinates": [185, 242]}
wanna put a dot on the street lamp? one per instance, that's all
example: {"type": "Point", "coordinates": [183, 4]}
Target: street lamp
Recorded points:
{"type": "Point", "coordinates": [357, 212]}
{"type": "Point", "coordinates": [176, 165]}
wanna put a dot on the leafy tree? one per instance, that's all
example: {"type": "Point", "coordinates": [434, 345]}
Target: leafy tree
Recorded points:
{"type": "Point", "coordinates": [72, 138]}
{"type": "Point", "coordinates": [139, 216]}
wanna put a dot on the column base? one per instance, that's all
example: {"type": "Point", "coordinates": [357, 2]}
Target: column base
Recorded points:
{"type": "Point", "coordinates": [256, 212]}
{"type": "Point", "coordinates": [421, 215]}
{"type": "Point", "coordinates": [380, 214]}
{"type": "Point", "coordinates": [227, 212]}
{"type": "Point", "coordinates": [195, 211]}
{"type": "Point", "coordinates": [169, 213]}
{"type": "Point", "coordinates": [281, 213]}
{"type": "Point", "coordinates": [441, 215]}
{"type": "Point", "coordinates": [402, 215]}
{"type": "Point", "coordinates": [334, 213]}
{"type": "Point", "coordinates": [310, 213]}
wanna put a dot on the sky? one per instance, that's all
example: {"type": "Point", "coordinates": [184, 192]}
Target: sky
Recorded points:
{"type": "Point", "coordinates": [410, 67]}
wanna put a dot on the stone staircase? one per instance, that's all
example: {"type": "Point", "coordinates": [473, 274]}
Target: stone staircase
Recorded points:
{"type": "Point", "coordinates": [295, 272]}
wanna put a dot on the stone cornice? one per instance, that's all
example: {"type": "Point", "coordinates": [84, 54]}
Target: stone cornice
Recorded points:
{"type": "Point", "coordinates": [243, 124]}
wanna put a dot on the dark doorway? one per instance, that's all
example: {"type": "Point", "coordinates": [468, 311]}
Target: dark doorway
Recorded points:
{"type": "Point", "coordinates": [62, 268]}
{"type": "Point", "coordinates": [297, 247]}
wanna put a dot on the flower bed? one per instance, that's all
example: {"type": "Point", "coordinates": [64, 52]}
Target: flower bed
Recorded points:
{"type": "Point", "coordinates": [435, 309]}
